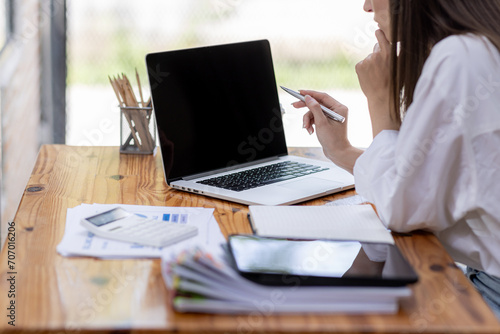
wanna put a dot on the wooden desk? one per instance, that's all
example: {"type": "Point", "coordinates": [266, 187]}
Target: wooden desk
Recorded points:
{"type": "Point", "coordinates": [58, 294]}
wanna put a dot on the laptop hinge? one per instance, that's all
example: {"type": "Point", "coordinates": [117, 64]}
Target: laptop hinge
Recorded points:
{"type": "Point", "coordinates": [228, 169]}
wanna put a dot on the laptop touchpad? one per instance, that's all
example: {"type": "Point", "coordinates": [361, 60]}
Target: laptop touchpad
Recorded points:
{"type": "Point", "coordinates": [312, 184]}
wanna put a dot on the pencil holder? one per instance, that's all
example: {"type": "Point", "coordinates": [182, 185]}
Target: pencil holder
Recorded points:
{"type": "Point", "coordinates": [137, 130]}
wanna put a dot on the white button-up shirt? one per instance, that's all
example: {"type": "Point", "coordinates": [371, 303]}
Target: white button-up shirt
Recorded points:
{"type": "Point", "coordinates": [441, 171]}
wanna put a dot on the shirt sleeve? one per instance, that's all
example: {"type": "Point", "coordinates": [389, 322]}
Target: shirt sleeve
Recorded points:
{"type": "Point", "coordinates": [423, 176]}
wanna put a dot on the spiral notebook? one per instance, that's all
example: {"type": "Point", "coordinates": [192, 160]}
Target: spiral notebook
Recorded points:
{"type": "Point", "coordinates": [343, 222]}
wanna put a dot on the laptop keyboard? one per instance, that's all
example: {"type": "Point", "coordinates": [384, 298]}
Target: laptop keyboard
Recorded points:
{"type": "Point", "coordinates": [262, 176]}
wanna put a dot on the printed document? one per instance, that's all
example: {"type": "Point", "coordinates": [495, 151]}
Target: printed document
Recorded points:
{"type": "Point", "coordinates": [78, 241]}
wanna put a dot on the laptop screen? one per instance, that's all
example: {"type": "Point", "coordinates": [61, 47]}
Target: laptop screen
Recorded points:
{"type": "Point", "coordinates": [215, 107]}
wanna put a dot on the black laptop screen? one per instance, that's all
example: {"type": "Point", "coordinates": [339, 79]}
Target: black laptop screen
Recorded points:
{"type": "Point", "coordinates": [215, 107]}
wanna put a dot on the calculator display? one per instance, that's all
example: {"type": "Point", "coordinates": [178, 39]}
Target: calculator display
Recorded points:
{"type": "Point", "coordinates": [108, 217]}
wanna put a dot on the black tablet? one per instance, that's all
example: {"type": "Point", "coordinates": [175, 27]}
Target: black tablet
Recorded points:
{"type": "Point", "coordinates": [295, 262]}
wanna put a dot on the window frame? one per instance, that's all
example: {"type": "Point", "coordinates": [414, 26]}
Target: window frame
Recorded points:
{"type": "Point", "coordinates": [9, 23]}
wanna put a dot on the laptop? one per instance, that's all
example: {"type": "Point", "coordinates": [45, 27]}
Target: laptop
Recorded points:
{"type": "Point", "coordinates": [221, 132]}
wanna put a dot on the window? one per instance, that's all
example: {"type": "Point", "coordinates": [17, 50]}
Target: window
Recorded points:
{"type": "Point", "coordinates": [315, 44]}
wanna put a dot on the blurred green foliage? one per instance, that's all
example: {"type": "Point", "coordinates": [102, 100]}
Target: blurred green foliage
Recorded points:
{"type": "Point", "coordinates": [110, 44]}
{"type": "Point", "coordinates": [337, 72]}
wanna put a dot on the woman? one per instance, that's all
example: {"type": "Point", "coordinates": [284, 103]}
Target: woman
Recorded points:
{"type": "Point", "coordinates": [433, 89]}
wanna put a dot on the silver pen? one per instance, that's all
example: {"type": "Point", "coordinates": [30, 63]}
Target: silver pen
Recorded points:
{"type": "Point", "coordinates": [332, 114]}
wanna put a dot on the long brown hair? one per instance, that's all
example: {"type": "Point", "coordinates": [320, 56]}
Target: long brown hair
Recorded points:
{"type": "Point", "coordinates": [419, 24]}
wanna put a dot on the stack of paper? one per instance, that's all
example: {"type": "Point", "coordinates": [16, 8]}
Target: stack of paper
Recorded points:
{"type": "Point", "coordinates": [77, 241]}
{"type": "Point", "coordinates": [207, 284]}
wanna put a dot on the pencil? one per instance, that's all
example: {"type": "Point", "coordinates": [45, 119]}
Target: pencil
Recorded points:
{"type": "Point", "coordinates": [139, 85]}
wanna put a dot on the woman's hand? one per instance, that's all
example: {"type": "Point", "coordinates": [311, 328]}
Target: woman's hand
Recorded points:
{"type": "Point", "coordinates": [374, 78]}
{"type": "Point", "coordinates": [331, 134]}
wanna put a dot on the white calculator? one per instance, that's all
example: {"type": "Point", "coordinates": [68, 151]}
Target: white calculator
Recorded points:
{"type": "Point", "coordinates": [121, 225]}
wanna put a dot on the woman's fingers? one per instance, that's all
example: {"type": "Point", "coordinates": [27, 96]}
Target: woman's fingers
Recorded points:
{"type": "Point", "coordinates": [383, 44]}
{"type": "Point", "coordinates": [308, 121]}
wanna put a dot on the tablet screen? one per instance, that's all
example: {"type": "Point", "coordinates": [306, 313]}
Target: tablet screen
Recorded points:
{"type": "Point", "coordinates": [275, 261]}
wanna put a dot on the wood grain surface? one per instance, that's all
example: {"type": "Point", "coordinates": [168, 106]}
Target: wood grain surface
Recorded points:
{"type": "Point", "coordinates": [62, 294]}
